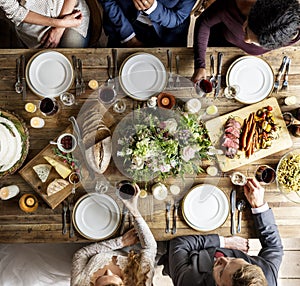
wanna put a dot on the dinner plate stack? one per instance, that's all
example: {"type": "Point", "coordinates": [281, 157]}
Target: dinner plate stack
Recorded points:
{"type": "Point", "coordinates": [205, 207]}
{"type": "Point", "coordinates": [142, 75]}
{"type": "Point", "coordinates": [96, 216]}
{"type": "Point", "coordinates": [49, 73]}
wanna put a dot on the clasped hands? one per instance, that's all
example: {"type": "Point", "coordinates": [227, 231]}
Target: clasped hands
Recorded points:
{"type": "Point", "coordinates": [51, 38]}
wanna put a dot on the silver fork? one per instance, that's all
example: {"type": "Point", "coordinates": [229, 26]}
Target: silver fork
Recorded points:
{"type": "Point", "coordinates": [177, 81]}
{"type": "Point", "coordinates": [285, 82]}
{"type": "Point", "coordinates": [170, 79]}
{"type": "Point", "coordinates": [81, 80]}
{"type": "Point", "coordinates": [77, 82]}
{"type": "Point", "coordinates": [168, 209]}
{"type": "Point", "coordinates": [71, 206]}
{"type": "Point", "coordinates": [65, 209]}
{"type": "Point", "coordinates": [279, 75]}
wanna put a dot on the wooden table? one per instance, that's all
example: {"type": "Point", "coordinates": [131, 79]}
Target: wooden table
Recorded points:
{"type": "Point", "coordinates": [45, 224]}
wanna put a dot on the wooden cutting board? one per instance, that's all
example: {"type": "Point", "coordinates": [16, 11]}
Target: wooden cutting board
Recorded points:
{"type": "Point", "coordinates": [38, 186]}
{"type": "Point", "coordinates": [215, 129]}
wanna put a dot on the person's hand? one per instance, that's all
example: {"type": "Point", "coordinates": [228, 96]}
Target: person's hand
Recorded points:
{"type": "Point", "coordinates": [130, 238]}
{"type": "Point", "coordinates": [133, 43]}
{"type": "Point", "coordinates": [51, 38]}
{"type": "Point", "coordinates": [254, 193]}
{"type": "Point", "coordinates": [198, 75]}
{"type": "Point", "coordinates": [142, 4]}
{"type": "Point", "coordinates": [72, 20]}
{"type": "Point", "coordinates": [131, 204]}
{"type": "Point", "coordinates": [236, 242]}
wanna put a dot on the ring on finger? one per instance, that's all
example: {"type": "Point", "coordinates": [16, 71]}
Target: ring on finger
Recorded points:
{"type": "Point", "coordinates": [145, 2]}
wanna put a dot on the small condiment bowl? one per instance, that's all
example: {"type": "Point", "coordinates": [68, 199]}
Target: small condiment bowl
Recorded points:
{"type": "Point", "coordinates": [66, 142]}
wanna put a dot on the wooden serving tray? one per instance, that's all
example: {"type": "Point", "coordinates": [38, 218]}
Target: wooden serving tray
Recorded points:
{"type": "Point", "coordinates": [38, 186]}
{"type": "Point", "coordinates": [215, 129]}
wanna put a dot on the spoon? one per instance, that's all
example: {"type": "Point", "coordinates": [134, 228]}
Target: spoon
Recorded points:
{"type": "Point", "coordinates": [241, 205]}
{"type": "Point", "coordinates": [18, 85]}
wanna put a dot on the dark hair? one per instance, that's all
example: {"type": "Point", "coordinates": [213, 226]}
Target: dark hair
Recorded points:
{"type": "Point", "coordinates": [249, 275]}
{"type": "Point", "coordinates": [275, 22]}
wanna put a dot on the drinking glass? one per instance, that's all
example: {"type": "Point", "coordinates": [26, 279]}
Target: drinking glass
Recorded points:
{"type": "Point", "coordinates": [265, 174]}
{"type": "Point", "coordinates": [48, 106]}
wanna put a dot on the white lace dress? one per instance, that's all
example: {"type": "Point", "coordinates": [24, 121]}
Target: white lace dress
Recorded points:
{"type": "Point", "coordinates": [90, 259]}
{"type": "Point", "coordinates": [31, 34]}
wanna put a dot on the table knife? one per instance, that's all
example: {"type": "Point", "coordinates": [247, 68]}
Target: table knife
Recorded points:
{"type": "Point", "coordinates": [219, 76]}
{"type": "Point", "coordinates": [233, 206]}
{"type": "Point", "coordinates": [175, 213]}
{"type": "Point", "coordinates": [23, 77]}
{"type": "Point", "coordinates": [81, 146]}
{"type": "Point", "coordinates": [168, 209]}
{"type": "Point", "coordinates": [115, 63]}
{"type": "Point", "coordinates": [76, 75]}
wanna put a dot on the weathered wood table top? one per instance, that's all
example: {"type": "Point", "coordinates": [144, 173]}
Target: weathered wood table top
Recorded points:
{"type": "Point", "coordinates": [45, 224]}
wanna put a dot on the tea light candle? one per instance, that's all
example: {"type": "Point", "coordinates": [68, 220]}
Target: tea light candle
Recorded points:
{"type": "Point", "coordinates": [165, 101]}
{"type": "Point", "coordinates": [159, 191]}
{"type": "Point", "coordinates": [174, 189]}
{"type": "Point", "coordinates": [30, 107]}
{"type": "Point", "coordinates": [37, 122]}
{"type": "Point", "coordinates": [93, 84]}
{"type": "Point", "coordinates": [193, 105]}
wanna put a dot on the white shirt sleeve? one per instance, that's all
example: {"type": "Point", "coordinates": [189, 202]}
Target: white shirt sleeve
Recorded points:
{"type": "Point", "coordinates": [261, 209]}
{"type": "Point", "coordinates": [14, 11]}
{"type": "Point", "coordinates": [152, 8]}
{"type": "Point", "coordinates": [128, 38]}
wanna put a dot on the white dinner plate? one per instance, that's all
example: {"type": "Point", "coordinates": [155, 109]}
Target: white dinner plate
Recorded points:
{"type": "Point", "coordinates": [254, 78]}
{"type": "Point", "coordinates": [49, 73]}
{"type": "Point", "coordinates": [205, 207]}
{"type": "Point", "coordinates": [142, 75]}
{"type": "Point", "coordinates": [96, 216]}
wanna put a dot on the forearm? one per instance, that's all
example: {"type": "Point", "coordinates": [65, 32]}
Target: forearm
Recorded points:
{"type": "Point", "coordinates": [118, 23]}
{"type": "Point", "coordinates": [68, 7]}
{"type": "Point", "coordinates": [38, 19]}
{"type": "Point", "coordinates": [171, 17]}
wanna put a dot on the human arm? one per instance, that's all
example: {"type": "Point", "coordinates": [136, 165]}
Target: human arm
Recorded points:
{"type": "Point", "coordinates": [116, 21]}
{"type": "Point", "coordinates": [186, 255]}
{"type": "Point", "coordinates": [51, 38]}
{"type": "Point", "coordinates": [169, 16]}
{"type": "Point", "coordinates": [18, 14]}
{"type": "Point", "coordinates": [264, 221]}
{"type": "Point", "coordinates": [210, 17]}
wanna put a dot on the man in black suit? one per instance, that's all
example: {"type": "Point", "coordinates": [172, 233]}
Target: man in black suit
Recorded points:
{"type": "Point", "coordinates": [223, 261]}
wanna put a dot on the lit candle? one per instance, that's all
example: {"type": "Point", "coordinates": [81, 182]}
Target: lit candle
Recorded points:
{"type": "Point", "coordinates": [37, 122]}
{"type": "Point", "coordinates": [30, 107]}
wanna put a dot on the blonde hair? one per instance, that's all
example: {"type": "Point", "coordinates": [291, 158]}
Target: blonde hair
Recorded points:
{"type": "Point", "coordinates": [249, 275]}
{"type": "Point", "coordinates": [133, 275]}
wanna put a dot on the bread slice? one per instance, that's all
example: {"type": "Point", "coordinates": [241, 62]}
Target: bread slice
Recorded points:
{"type": "Point", "coordinates": [56, 186]}
{"type": "Point", "coordinates": [96, 136]}
{"type": "Point", "coordinates": [43, 171]}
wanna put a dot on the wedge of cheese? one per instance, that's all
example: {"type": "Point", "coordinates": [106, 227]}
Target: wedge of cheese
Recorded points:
{"type": "Point", "coordinates": [61, 169]}
{"type": "Point", "coordinates": [56, 186]}
{"type": "Point", "coordinates": [43, 171]}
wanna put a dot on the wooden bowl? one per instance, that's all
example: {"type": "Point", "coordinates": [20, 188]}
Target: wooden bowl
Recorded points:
{"type": "Point", "coordinates": [166, 100]}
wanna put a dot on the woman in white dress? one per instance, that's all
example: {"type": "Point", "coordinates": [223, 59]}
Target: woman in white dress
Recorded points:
{"type": "Point", "coordinates": [109, 262]}
{"type": "Point", "coordinates": [48, 23]}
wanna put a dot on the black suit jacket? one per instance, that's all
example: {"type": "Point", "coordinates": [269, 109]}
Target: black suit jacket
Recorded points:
{"type": "Point", "coordinates": [190, 259]}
